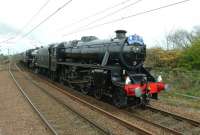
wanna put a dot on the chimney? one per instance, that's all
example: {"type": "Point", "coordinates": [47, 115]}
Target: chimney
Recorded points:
{"type": "Point", "coordinates": [120, 34]}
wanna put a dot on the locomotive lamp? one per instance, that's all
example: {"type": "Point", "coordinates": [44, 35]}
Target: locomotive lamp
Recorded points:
{"type": "Point", "coordinates": [166, 87]}
{"type": "Point", "coordinates": [128, 80]}
{"type": "Point", "coordinates": [159, 79]}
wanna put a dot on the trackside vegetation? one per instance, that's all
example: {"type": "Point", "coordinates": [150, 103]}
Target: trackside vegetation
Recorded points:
{"type": "Point", "coordinates": [178, 62]}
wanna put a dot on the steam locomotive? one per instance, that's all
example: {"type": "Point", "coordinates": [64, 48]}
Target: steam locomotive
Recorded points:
{"type": "Point", "coordinates": [112, 68]}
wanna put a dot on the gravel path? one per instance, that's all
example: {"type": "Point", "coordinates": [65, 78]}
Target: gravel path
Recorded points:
{"type": "Point", "coordinates": [16, 115]}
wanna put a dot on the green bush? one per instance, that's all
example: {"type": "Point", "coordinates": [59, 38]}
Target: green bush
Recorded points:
{"type": "Point", "coordinates": [190, 58]}
{"type": "Point", "coordinates": [158, 57]}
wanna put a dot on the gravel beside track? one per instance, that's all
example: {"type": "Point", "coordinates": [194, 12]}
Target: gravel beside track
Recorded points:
{"type": "Point", "coordinates": [105, 122]}
{"type": "Point", "coordinates": [174, 122]}
{"type": "Point", "coordinates": [16, 115]}
{"type": "Point", "coordinates": [186, 112]}
{"type": "Point", "coordinates": [62, 118]}
{"type": "Point", "coordinates": [148, 126]}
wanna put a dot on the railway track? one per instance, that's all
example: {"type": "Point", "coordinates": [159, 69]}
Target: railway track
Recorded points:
{"type": "Point", "coordinates": [182, 124]}
{"type": "Point", "coordinates": [172, 122]}
{"type": "Point", "coordinates": [31, 103]}
{"type": "Point", "coordinates": [165, 128]}
{"type": "Point", "coordinates": [132, 127]}
{"type": "Point", "coordinates": [168, 122]}
{"type": "Point", "coordinates": [176, 116]}
{"type": "Point", "coordinates": [53, 112]}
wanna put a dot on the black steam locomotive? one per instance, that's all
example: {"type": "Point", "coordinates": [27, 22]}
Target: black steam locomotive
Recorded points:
{"type": "Point", "coordinates": [112, 68]}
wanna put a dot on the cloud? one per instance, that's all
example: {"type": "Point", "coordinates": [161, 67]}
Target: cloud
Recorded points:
{"type": "Point", "coordinates": [5, 29]}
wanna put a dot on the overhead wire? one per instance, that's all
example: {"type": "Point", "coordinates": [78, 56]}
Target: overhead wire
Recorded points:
{"type": "Point", "coordinates": [47, 18]}
{"type": "Point", "coordinates": [28, 22]}
{"type": "Point", "coordinates": [110, 14]}
{"type": "Point", "coordinates": [94, 15]}
{"type": "Point", "coordinates": [4, 41]}
{"type": "Point", "coordinates": [36, 14]}
{"type": "Point", "coordinates": [127, 17]}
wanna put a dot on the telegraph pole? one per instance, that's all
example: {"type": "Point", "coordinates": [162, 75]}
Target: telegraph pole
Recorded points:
{"type": "Point", "coordinates": [8, 55]}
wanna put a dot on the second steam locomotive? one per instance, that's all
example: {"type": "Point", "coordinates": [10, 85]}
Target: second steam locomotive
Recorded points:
{"type": "Point", "coordinates": [112, 68]}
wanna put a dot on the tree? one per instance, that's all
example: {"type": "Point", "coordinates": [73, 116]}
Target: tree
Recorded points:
{"type": "Point", "coordinates": [158, 57]}
{"type": "Point", "coordinates": [190, 57]}
{"type": "Point", "coordinates": [183, 50]}
{"type": "Point", "coordinates": [179, 39]}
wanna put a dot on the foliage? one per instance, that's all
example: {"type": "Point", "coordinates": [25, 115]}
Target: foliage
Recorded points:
{"type": "Point", "coordinates": [179, 66]}
{"type": "Point", "coordinates": [158, 57]}
{"type": "Point", "coordinates": [190, 58]}
{"type": "Point", "coordinates": [184, 51]}
{"type": "Point", "coordinates": [179, 39]}
{"type": "Point", "coordinates": [181, 81]}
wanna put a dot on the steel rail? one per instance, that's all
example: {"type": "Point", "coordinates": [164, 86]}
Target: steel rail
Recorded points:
{"type": "Point", "coordinates": [176, 116]}
{"type": "Point", "coordinates": [49, 82]}
{"type": "Point", "coordinates": [31, 103]}
{"type": "Point", "coordinates": [119, 120]}
{"type": "Point", "coordinates": [167, 129]}
{"type": "Point", "coordinates": [124, 122]}
{"type": "Point", "coordinates": [186, 95]}
{"type": "Point", "coordinates": [105, 131]}
{"type": "Point", "coordinates": [172, 131]}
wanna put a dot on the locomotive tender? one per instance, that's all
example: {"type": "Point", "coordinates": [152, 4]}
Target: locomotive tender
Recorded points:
{"type": "Point", "coordinates": [28, 57]}
{"type": "Point", "coordinates": [112, 68]}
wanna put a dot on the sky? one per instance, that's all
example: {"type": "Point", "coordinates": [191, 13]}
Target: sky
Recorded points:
{"type": "Point", "coordinates": [68, 23]}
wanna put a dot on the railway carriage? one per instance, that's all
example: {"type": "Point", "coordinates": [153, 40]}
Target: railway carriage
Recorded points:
{"type": "Point", "coordinates": [28, 57]}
